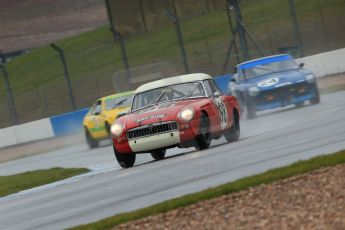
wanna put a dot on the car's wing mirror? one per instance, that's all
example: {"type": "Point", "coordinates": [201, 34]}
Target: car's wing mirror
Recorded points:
{"type": "Point", "coordinates": [216, 94]}
{"type": "Point", "coordinates": [301, 65]}
{"type": "Point", "coordinates": [233, 80]}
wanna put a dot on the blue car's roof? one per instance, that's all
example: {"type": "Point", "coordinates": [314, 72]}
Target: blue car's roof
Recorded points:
{"type": "Point", "coordinates": [264, 60]}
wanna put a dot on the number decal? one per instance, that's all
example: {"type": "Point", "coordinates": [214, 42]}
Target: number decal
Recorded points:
{"type": "Point", "coordinates": [96, 122]}
{"type": "Point", "coordinates": [222, 112]}
{"type": "Point", "coordinates": [269, 82]}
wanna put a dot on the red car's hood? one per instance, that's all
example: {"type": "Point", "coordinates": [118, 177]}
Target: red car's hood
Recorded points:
{"type": "Point", "coordinates": [165, 111]}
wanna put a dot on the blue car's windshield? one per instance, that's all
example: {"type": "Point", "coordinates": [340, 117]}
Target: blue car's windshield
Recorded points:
{"type": "Point", "coordinates": [267, 68]}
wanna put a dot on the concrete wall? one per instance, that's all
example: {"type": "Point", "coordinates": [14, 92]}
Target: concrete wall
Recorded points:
{"type": "Point", "coordinates": [324, 64]}
{"type": "Point", "coordinates": [27, 132]}
{"type": "Point", "coordinates": [8, 137]}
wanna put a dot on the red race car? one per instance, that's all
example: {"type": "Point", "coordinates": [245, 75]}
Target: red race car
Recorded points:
{"type": "Point", "coordinates": [182, 111]}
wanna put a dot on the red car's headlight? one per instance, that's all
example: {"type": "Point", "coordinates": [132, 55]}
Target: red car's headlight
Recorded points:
{"type": "Point", "coordinates": [116, 129]}
{"type": "Point", "coordinates": [187, 114]}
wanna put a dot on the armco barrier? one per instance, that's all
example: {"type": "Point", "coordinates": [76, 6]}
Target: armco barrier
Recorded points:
{"type": "Point", "coordinates": [222, 82]}
{"type": "Point", "coordinates": [8, 137]}
{"type": "Point", "coordinates": [71, 122]}
{"type": "Point", "coordinates": [64, 124]}
{"type": "Point", "coordinates": [35, 130]}
{"type": "Point", "coordinates": [68, 123]}
{"type": "Point", "coordinates": [324, 64]}
{"type": "Point", "coordinates": [321, 64]}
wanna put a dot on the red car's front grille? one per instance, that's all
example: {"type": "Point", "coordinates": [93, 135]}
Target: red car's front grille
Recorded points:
{"type": "Point", "coordinates": [151, 129]}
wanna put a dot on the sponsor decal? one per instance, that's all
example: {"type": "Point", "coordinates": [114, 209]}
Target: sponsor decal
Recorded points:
{"type": "Point", "coordinates": [269, 82]}
{"type": "Point", "coordinates": [97, 123]}
{"type": "Point", "coordinates": [159, 116]}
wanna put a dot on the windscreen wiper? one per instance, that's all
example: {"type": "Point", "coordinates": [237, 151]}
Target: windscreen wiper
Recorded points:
{"type": "Point", "coordinates": [160, 97]}
{"type": "Point", "coordinates": [119, 103]}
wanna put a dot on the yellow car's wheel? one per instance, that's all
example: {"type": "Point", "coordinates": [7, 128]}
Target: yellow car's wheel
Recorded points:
{"type": "Point", "coordinates": [107, 128]}
{"type": "Point", "coordinates": [92, 143]}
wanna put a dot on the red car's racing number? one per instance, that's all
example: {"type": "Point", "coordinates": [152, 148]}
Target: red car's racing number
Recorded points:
{"type": "Point", "coordinates": [222, 112]}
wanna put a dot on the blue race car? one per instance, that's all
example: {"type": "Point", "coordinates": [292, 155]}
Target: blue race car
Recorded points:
{"type": "Point", "coordinates": [272, 82]}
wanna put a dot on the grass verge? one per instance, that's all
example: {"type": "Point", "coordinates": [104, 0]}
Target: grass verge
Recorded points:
{"type": "Point", "coordinates": [93, 52]}
{"type": "Point", "coordinates": [241, 184]}
{"type": "Point", "coordinates": [19, 182]}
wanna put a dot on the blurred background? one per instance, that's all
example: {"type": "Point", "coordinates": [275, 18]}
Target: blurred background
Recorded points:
{"type": "Point", "coordinates": [60, 56]}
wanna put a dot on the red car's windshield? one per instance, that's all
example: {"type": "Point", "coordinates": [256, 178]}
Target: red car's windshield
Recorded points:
{"type": "Point", "coordinates": [167, 93]}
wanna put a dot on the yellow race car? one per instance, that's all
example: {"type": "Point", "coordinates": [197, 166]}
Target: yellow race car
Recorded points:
{"type": "Point", "coordinates": [102, 114]}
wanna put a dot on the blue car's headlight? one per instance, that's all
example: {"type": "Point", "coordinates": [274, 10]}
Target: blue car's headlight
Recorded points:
{"type": "Point", "coordinates": [310, 78]}
{"type": "Point", "coordinates": [253, 91]}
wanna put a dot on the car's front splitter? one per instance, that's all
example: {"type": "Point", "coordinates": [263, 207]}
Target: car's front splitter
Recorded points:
{"type": "Point", "coordinates": [283, 103]}
{"type": "Point", "coordinates": [155, 141]}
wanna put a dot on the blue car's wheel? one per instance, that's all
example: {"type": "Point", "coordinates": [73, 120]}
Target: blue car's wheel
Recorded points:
{"type": "Point", "coordinates": [251, 111]}
{"type": "Point", "coordinates": [316, 99]}
{"type": "Point", "coordinates": [299, 105]}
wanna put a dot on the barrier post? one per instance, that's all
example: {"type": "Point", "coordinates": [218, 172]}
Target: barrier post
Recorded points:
{"type": "Point", "coordinates": [66, 73]}
{"type": "Point", "coordinates": [297, 31]}
{"type": "Point", "coordinates": [11, 105]}
{"type": "Point", "coordinates": [117, 36]}
{"type": "Point", "coordinates": [232, 30]}
{"type": "Point", "coordinates": [241, 31]}
{"type": "Point", "coordinates": [176, 22]}
{"type": "Point", "coordinates": [142, 14]}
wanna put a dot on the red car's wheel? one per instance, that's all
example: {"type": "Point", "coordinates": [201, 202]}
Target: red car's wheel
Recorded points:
{"type": "Point", "coordinates": [125, 160]}
{"type": "Point", "coordinates": [158, 154]}
{"type": "Point", "coordinates": [203, 139]}
{"type": "Point", "coordinates": [233, 134]}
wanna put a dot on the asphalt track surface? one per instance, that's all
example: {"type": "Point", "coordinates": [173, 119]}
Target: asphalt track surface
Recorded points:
{"type": "Point", "coordinates": [274, 139]}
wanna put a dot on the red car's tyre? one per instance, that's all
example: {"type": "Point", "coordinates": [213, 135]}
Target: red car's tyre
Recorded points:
{"type": "Point", "coordinates": [125, 160]}
{"type": "Point", "coordinates": [203, 139]}
{"type": "Point", "coordinates": [158, 154]}
{"type": "Point", "coordinates": [233, 134]}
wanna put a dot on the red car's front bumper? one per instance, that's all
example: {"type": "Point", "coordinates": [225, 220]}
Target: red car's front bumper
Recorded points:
{"type": "Point", "coordinates": [185, 133]}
